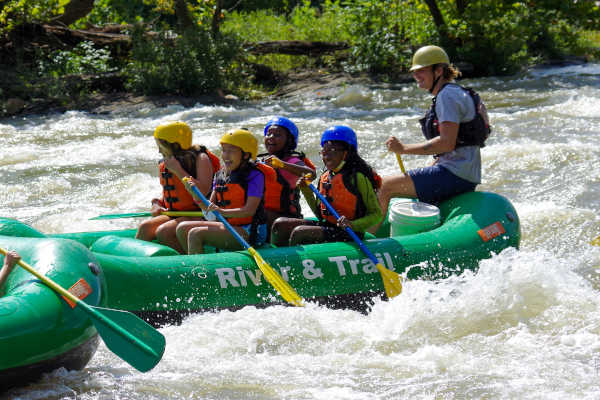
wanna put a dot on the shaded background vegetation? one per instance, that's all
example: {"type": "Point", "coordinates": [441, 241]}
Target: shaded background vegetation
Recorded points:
{"type": "Point", "coordinates": [194, 47]}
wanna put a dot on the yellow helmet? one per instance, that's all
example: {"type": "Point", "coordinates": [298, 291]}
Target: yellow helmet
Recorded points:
{"type": "Point", "coordinates": [175, 132]}
{"type": "Point", "coordinates": [427, 56]}
{"type": "Point", "coordinates": [243, 139]}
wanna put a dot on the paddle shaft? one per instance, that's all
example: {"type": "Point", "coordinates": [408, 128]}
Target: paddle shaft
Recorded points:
{"type": "Point", "coordinates": [347, 228]}
{"type": "Point", "coordinates": [392, 282]}
{"type": "Point", "coordinates": [400, 163]}
{"type": "Point", "coordinates": [95, 315]}
{"type": "Point", "coordinates": [285, 290]}
{"type": "Point", "coordinates": [148, 214]}
{"type": "Point", "coordinates": [222, 219]}
{"type": "Point", "coordinates": [50, 283]}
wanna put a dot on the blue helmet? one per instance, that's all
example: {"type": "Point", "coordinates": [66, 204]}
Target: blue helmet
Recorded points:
{"type": "Point", "coordinates": [287, 124]}
{"type": "Point", "coordinates": [341, 133]}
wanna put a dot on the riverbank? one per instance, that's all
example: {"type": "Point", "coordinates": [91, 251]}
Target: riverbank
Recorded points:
{"type": "Point", "coordinates": [280, 85]}
{"type": "Point", "coordinates": [284, 85]}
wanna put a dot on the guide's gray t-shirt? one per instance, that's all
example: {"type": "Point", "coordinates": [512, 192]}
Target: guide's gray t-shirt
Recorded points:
{"type": "Point", "coordinates": [454, 104]}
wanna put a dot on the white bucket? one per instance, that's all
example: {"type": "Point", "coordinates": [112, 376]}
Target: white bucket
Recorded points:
{"type": "Point", "coordinates": [409, 217]}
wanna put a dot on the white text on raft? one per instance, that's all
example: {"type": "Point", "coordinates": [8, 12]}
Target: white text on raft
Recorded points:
{"type": "Point", "coordinates": [239, 276]}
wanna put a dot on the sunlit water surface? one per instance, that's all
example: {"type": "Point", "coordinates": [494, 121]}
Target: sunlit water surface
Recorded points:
{"type": "Point", "coordinates": [527, 325]}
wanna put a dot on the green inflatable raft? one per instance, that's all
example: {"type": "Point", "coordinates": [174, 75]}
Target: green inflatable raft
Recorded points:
{"type": "Point", "coordinates": [161, 286]}
{"type": "Point", "coordinates": [39, 331]}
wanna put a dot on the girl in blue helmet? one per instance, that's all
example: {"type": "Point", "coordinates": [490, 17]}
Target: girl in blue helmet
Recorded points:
{"type": "Point", "coordinates": [282, 196]}
{"type": "Point", "coordinates": [349, 184]}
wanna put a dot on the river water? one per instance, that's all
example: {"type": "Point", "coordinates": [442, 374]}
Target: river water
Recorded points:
{"type": "Point", "coordinates": [527, 325]}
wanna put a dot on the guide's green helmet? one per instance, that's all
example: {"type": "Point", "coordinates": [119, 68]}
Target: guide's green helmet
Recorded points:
{"type": "Point", "coordinates": [429, 55]}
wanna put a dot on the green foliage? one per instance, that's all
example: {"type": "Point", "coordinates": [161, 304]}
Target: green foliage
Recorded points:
{"type": "Point", "coordinates": [279, 6]}
{"type": "Point", "coordinates": [160, 14]}
{"type": "Point", "coordinates": [191, 64]}
{"type": "Point", "coordinates": [303, 23]}
{"type": "Point", "coordinates": [17, 12]}
{"type": "Point", "coordinates": [82, 59]}
{"type": "Point", "coordinates": [382, 33]}
{"type": "Point", "coordinates": [499, 37]}
{"type": "Point", "coordinates": [590, 39]}
{"type": "Point", "coordinates": [378, 31]}
{"type": "Point", "coordinates": [119, 12]}
{"type": "Point", "coordinates": [496, 36]}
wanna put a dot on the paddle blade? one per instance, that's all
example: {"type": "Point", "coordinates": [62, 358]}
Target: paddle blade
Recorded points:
{"type": "Point", "coordinates": [595, 242]}
{"type": "Point", "coordinates": [285, 290]}
{"type": "Point", "coordinates": [392, 282]}
{"type": "Point", "coordinates": [129, 337]}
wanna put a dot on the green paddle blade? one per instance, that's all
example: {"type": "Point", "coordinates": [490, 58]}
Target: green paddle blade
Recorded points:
{"type": "Point", "coordinates": [595, 242]}
{"type": "Point", "coordinates": [140, 344]}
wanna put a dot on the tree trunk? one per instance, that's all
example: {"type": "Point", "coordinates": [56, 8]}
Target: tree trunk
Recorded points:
{"type": "Point", "coordinates": [74, 10]}
{"type": "Point", "coordinates": [434, 10]}
{"type": "Point", "coordinates": [461, 6]}
{"type": "Point", "coordinates": [438, 19]}
{"type": "Point", "coordinates": [184, 19]}
{"type": "Point", "coordinates": [216, 19]}
{"type": "Point", "coordinates": [295, 47]}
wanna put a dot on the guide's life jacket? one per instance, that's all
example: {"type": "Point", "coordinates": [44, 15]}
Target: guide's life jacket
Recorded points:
{"type": "Point", "coordinates": [471, 133]}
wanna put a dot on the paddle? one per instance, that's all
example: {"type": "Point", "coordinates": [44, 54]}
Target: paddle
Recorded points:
{"type": "Point", "coordinates": [147, 214]}
{"type": "Point", "coordinates": [126, 335]}
{"type": "Point", "coordinates": [285, 290]}
{"type": "Point", "coordinates": [392, 282]}
{"type": "Point", "coordinates": [400, 163]}
{"type": "Point", "coordinates": [595, 242]}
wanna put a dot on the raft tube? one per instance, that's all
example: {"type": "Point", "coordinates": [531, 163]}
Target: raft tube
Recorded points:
{"type": "Point", "coordinates": [163, 287]}
{"type": "Point", "coordinates": [40, 331]}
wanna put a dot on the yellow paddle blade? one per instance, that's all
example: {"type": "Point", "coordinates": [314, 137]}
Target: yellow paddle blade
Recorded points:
{"type": "Point", "coordinates": [392, 282]}
{"type": "Point", "coordinates": [595, 242]}
{"type": "Point", "coordinates": [285, 290]}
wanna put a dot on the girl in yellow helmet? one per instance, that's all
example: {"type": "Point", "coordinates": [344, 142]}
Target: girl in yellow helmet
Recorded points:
{"type": "Point", "coordinates": [237, 194]}
{"type": "Point", "coordinates": [180, 159]}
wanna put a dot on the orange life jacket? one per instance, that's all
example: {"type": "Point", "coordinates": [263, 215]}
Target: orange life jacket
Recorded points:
{"type": "Point", "coordinates": [231, 192]}
{"type": "Point", "coordinates": [175, 196]}
{"type": "Point", "coordinates": [342, 193]}
{"type": "Point", "coordinates": [280, 197]}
